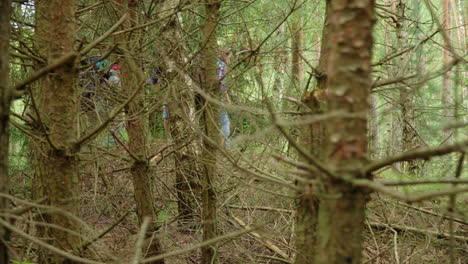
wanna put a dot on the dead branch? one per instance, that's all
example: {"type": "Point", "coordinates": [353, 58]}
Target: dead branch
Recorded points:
{"type": "Point", "coordinates": [401, 228]}
{"type": "Point", "coordinates": [262, 208]}
{"type": "Point", "coordinates": [262, 240]}
{"type": "Point", "coordinates": [47, 246]}
{"type": "Point", "coordinates": [107, 230]}
{"type": "Point", "coordinates": [460, 221]}
{"type": "Point", "coordinates": [442, 181]}
{"type": "Point", "coordinates": [375, 186]}
{"type": "Point", "coordinates": [199, 245]}
{"type": "Point", "coordinates": [423, 153]}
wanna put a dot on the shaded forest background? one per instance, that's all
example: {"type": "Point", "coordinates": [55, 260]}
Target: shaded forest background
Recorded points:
{"type": "Point", "coordinates": [347, 145]}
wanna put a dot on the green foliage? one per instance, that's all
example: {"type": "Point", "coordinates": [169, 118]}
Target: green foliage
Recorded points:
{"type": "Point", "coordinates": [20, 262]}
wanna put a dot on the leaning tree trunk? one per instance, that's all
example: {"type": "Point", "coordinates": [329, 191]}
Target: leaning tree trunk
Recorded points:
{"type": "Point", "coordinates": [137, 129]}
{"type": "Point", "coordinates": [5, 101]}
{"type": "Point", "coordinates": [210, 117]}
{"type": "Point", "coordinates": [342, 210]}
{"type": "Point", "coordinates": [55, 160]}
{"type": "Point", "coordinates": [307, 203]}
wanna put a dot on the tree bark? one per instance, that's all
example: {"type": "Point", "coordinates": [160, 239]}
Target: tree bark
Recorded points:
{"type": "Point", "coordinates": [5, 102]}
{"type": "Point", "coordinates": [307, 203]}
{"type": "Point", "coordinates": [342, 210]}
{"type": "Point", "coordinates": [373, 128]}
{"type": "Point", "coordinates": [407, 120]}
{"type": "Point", "coordinates": [55, 161]}
{"type": "Point", "coordinates": [132, 78]}
{"type": "Point", "coordinates": [210, 120]}
{"type": "Point", "coordinates": [446, 58]}
{"type": "Point", "coordinates": [297, 45]}
{"type": "Point", "coordinates": [180, 103]}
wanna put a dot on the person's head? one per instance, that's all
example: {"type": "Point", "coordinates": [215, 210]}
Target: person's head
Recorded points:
{"type": "Point", "coordinates": [103, 65]}
{"type": "Point", "coordinates": [115, 69]}
{"type": "Point", "coordinates": [225, 55]}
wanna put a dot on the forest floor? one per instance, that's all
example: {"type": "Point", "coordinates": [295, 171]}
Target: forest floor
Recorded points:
{"type": "Point", "coordinates": [397, 232]}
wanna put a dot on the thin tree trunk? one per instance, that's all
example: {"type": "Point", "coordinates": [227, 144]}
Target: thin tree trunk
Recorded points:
{"type": "Point", "coordinates": [137, 128]}
{"type": "Point", "coordinates": [406, 96]}
{"type": "Point", "coordinates": [373, 128]}
{"type": "Point", "coordinates": [5, 101]}
{"type": "Point", "coordinates": [446, 58]}
{"type": "Point", "coordinates": [210, 119]}
{"type": "Point", "coordinates": [297, 45]}
{"type": "Point", "coordinates": [342, 210]}
{"type": "Point", "coordinates": [278, 83]}
{"type": "Point", "coordinates": [55, 160]}
{"type": "Point", "coordinates": [180, 128]}
{"type": "Point", "coordinates": [307, 203]}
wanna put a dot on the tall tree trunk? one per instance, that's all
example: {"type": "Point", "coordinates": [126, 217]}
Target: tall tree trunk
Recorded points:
{"type": "Point", "coordinates": [393, 141]}
{"type": "Point", "coordinates": [5, 101]}
{"type": "Point", "coordinates": [446, 80]}
{"type": "Point", "coordinates": [297, 45]}
{"type": "Point", "coordinates": [181, 130]}
{"type": "Point", "coordinates": [210, 119]}
{"type": "Point", "coordinates": [342, 210]}
{"type": "Point", "coordinates": [406, 94]}
{"type": "Point", "coordinates": [137, 129]}
{"type": "Point", "coordinates": [281, 58]}
{"type": "Point", "coordinates": [373, 128]}
{"type": "Point", "coordinates": [55, 161]}
{"type": "Point", "coordinates": [307, 203]}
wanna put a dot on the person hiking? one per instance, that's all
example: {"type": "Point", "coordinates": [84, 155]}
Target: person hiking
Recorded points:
{"type": "Point", "coordinates": [114, 77]}
{"type": "Point", "coordinates": [222, 63]}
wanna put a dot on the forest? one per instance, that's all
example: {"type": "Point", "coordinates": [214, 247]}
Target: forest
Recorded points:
{"type": "Point", "coordinates": [233, 131]}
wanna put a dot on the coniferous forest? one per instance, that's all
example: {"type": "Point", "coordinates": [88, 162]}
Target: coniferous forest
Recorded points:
{"type": "Point", "coordinates": [233, 131]}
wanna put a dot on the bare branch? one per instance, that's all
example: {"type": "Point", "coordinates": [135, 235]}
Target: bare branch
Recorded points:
{"type": "Point", "coordinates": [424, 153]}
{"type": "Point", "coordinates": [113, 114]}
{"type": "Point", "coordinates": [140, 241]}
{"type": "Point", "coordinates": [47, 246]}
{"type": "Point", "coordinates": [408, 198]}
{"type": "Point", "coordinates": [404, 183]}
{"type": "Point", "coordinates": [202, 244]}
{"type": "Point", "coordinates": [67, 58]}
{"type": "Point", "coordinates": [313, 160]}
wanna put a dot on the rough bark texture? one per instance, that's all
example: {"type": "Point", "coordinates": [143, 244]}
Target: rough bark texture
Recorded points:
{"type": "Point", "coordinates": [55, 161]}
{"type": "Point", "coordinates": [307, 203]}
{"type": "Point", "coordinates": [210, 119]}
{"type": "Point", "coordinates": [5, 101]}
{"type": "Point", "coordinates": [132, 77]}
{"type": "Point", "coordinates": [406, 94]}
{"type": "Point", "coordinates": [342, 209]}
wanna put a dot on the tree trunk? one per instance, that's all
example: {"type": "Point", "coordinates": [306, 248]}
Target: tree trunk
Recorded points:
{"type": "Point", "coordinates": [342, 210]}
{"type": "Point", "coordinates": [132, 78]}
{"type": "Point", "coordinates": [181, 130]}
{"type": "Point", "coordinates": [307, 203]}
{"type": "Point", "coordinates": [297, 45]}
{"type": "Point", "coordinates": [373, 128]}
{"type": "Point", "coordinates": [210, 119]}
{"type": "Point", "coordinates": [406, 94]}
{"type": "Point", "coordinates": [446, 58]}
{"type": "Point", "coordinates": [5, 101]}
{"type": "Point", "coordinates": [55, 161]}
